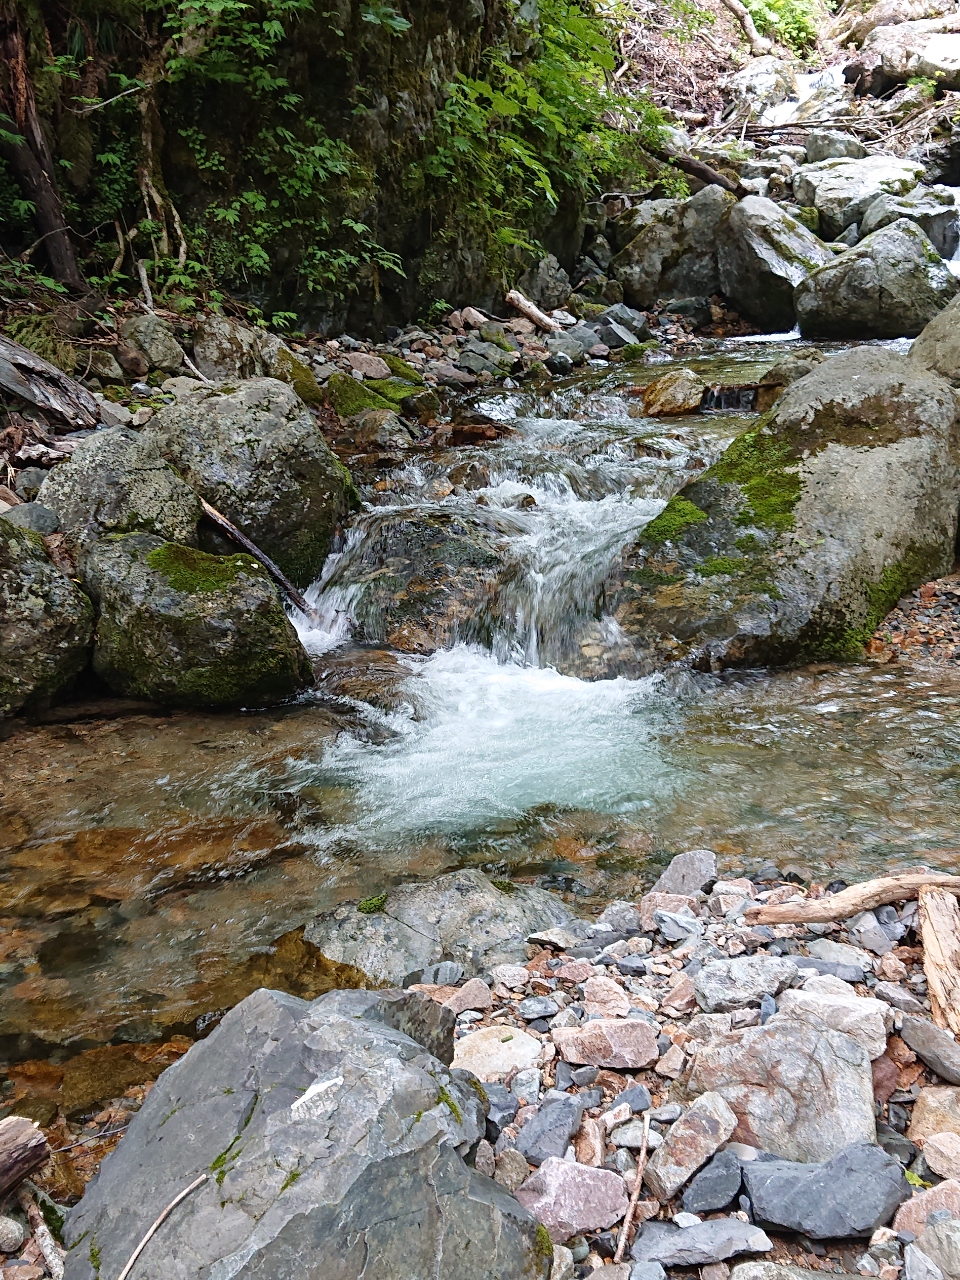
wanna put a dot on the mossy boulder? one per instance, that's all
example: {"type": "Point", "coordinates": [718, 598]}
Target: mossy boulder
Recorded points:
{"type": "Point", "coordinates": [46, 622]}
{"type": "Point", "coordinates": [348, 397]}
{"type": "Point", "coordinates": [762, 254]}
{"type": "Point", "coordinates": [156, 338]}
{"type": "Point", "coordinates": [813, 523]}
{"type": "Point", "coordinates": [117, 481]}
{"type": "Point", "coordinates": [188, 629]}
{"type": "Point", "coordinates": [888, 286]}
{"type": "Point", "coordinates": [256, 453]}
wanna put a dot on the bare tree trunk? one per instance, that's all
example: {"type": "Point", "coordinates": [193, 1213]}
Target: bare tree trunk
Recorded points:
{"type": "Point", "coordinates": [31, 159]}
{"type": "Point", "coordinates": [759, 45]}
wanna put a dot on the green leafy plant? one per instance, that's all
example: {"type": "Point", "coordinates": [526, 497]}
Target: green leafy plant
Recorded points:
{"type": "Point", "coordinates": [792, 22]}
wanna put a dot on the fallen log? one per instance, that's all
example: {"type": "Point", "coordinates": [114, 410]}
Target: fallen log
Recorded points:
{"type": "Point", "coordinates": [529, 309]}
{"type": "Point", "coordinates": [858, 897]}
{"type": "Point", "coordinates": [25, 374]}
{"type": "Point", "coordinates": [23, 1149]}
{"type": "Point", "coordinates": [759, 45]}
{"type": "Point", "coordinates": [53, 1255]}
{"type": "Point", "coordinates": [940, 930]}
{"type": "Point", "coordinates": [698, 169]}
{"type": "Point", "coordinates": [274, 570]}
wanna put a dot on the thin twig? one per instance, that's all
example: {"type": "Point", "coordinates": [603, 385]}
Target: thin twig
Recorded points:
{"type": "Point", "coordinates": [635, 1194]}
{"type": "Point", "coordinates": [159, 1223]}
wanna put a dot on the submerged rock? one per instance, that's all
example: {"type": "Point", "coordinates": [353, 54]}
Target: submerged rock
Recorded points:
{"type": "Point", "coordinates": [331, 1146]}
{"type": "Point", "coordinates": [256, 453]}
{"type": "Point", "coordinates": [889, 285]}
{"type": "Point", "coordinates": [460, 916]}
{"type": "Point", "coordinates": [46, 622]}
{"type": "Point", "coordinates": [117, 481]}
{"type": "Point", "coordinates": [763, 254]}
{"type": "Point", "coordinates": [188, 629]}
{"type": "Point", "coordinates": [809, 528]}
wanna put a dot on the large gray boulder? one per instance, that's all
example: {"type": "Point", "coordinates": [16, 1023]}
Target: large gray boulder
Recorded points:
{"type": "Point", "coordinates": [764, 82]}
{"type": "Point", "coordinates": [669, 247]}
{"type": "Point", "coordinates": [842, 190]}
{"type": "Point", "coordinates": [227, 350]}
{"type": "Point", "coordinates": [889, 286]}
{"type": "Point", "coordinates": [331, 1147]}
{"type": "Point", "coordinates": [809, 528]}
{"type": "Point", "coordinates": [117, 481]}
{"type": "Point", "coordinates": [46, 622]}
{"type": "Point", "coordinates": [460, 917]}
{"type": "Point", "coordinates": [891, 13]}
{"type": "Point", "coordinates": [156, 338]}
{"type": "Point", "coordinates": [893, 55]}
{"type": "Point", "coordinates": [256, 453]}
{"type": "Point", "coordinates": [188, 629]}
{"type": "Point", "coordinates": [798, 1090]}
{"type": "Point", "coordinates": [762, 254]}
{"type": "Point", "coordinates": [937, 349]}
{"type": "Point", "coordinates": [933, 209]}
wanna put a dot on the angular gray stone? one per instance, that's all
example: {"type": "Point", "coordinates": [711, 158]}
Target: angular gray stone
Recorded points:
{"type": "Point", "coordinates": [933, 209]}
{"type": "Point", "coordinates": [725, 985]}
{"type": "Point", "coordinates": [842, 189]}
{"type": "Point", "coordinates": [460, 916]}
{"type": "Point", "coordinates": [857, 1191]}
{"type": "Point", "coordinates": [712, 1241]}
{"type": "Point", "coordinates": [186, 629]}
{"type": "Point", "coordinates": [917, 1266]}
{"type": "Point", "coordinates": [935, 1047]}
{"type": "Point", "coordinates": [257, 454]}
{"type": "Point", "coordinates": [689, 1143]}
{"type": "Point", "coordinates": [35, 516]}
{"type": "Point", "coordinates": [546, 284]}
{"type": "Point", "coordinates": [799, 1091]}
{"type": "Point", "coordinates": [537, 1007]}
{"type": "Point", "coordinates": [889, 286]}
{"type": "Point", "coordinates": [548, 1133]}
{"type": "Point", "coordinates": [938, 347]}
{"type": "Point", "coordinates": [762, 255]}
{"type": "Point", "coordinates": [503, 1107]}
{"type": "Point", "coordinates": [830, 144]}
{"type": "Point", "coordinates": [900, 998]}
{"type": "Point", "coordinates": [688, 872]}
{"type": "Point", "coordinates": [117, 481]}
{"type": "Point", "coordinates": [776, 1271]}
{"type": "Point", "coordinates": [940, 1243]}
{"type": "Point", "coordinates": [716, 1185]}
{"type": "Point", "coordinates": [46, 622]}
{"type": "Point", "coordinates": [865, 930]}
{"type": "Point", "coordinates": [156, 339]}
{"type": "Point", "coordinates": [330, 1147]}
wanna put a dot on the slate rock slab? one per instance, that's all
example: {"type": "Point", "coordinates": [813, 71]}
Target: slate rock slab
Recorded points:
{"type": "Point", "coordinates": [716, 1185]}
{"type": "Point", "coordinates": [711, 1241]}
{"type": "Point", "coordinates": [725, 985]}
{"type": "Point", "coordinates": [548, 1133]}
{"type": "Point", "coordinates": [851, 1195]}
{"type": "Point", "coordinates": [935, 1047]}
{"type": "Point", "coordinates": [331, 1146]}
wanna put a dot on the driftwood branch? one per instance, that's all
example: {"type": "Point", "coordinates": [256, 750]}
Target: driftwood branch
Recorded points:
{"type": "Point", "coordinates": [275, 572]}
{"type": "Point", "coordinates": [23, 1148]}
{"type": "Point", "coordinates": [759, 45]}
{"type": "Point", "coordinates": [850, 902]}
{"type": "Point", "coordinates": [25, 374]}
{"type": "Point", "coordinates": [529, 309]}
{"type": "Point", "coordinates": [53, 1255]}
{"type": "Point", "coordinates": [159, 1223]}
{"type": "Point", "coordinates": [940, 930]}
{"type": "Point", "coordinates": [635, 1194]}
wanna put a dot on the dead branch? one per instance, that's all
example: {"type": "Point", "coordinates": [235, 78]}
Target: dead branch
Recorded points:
{"type": "Point", "coordinates": [275, 572]}
{"type": "Point", "coordinates": [759, 45]}
{"type": "Point", "coordinates": [23, 1148]}
{"type": "Point", "coordinates": [159, 1223]}
{"type": "Point", "coordinates": [25, 374]}
{"type": "Point", "coordinates": [940, 930]}
{"type": "Point", "coordinates": [635, 1194]}
{"type": "Point", "coordinates": [859, 897]}
{"type": "Point", "coordinates": [53, 1255]}
{"type": "Point", "coordinates": [697, 169]}
{"type": "Point", "coordinates": [529, 309]}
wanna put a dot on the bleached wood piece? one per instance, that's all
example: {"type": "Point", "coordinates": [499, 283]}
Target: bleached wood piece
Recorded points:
{"type": "Point", "coordinates": [858, 897]}
{"type": "Point", "coordinates": [529, 309]}
{"type": "Point", "coordinates": [940, 930]}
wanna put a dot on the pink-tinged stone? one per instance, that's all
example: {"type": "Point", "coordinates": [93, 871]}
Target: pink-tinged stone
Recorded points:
{"type": "Point", "coordinates": [574, 971]}
{"type": "Point", "coordinates": [369, 365]}
{"type": "Point", "coordinates": [657, 900]}
{"type": "Point", "coordinates": [474, 994]}
{"type": "Point", "coordinates": [608, 1042]}
{"type": "Point", "coordinates": [690, 1143]}
{"type": "Point", "coordinates": [588, 1143]}
{"type": "Point", "coordinates": [569, 1198]}
{"type": "Point", "coordinates": [936, 1110]}
{"type": "Point", "coordinates": [606, 997]}
{"type": "Point", "coordinates": [672, 1063]}
{"type": "Point", "coordinates": [681, 999]}
{"type": "Point", "coordinates": [942, 1153]}
{"type": "Point", "coordinates": [616, 1115]}
{"type": "Point", "coordinates": [913, 1215]}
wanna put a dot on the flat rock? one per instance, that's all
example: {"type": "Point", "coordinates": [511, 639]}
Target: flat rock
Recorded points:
{"type": "Point", "coordinates": [689, 1144]}
{"type": "Point", "coordinates": [840, 953]}
{"type": "Point", "coordinates": [917, 1266]}
{"type": "Point", "coordinates": [657, 900]}
{"type": "Point", "coordinates": [716, 1185]}
{"type": "Point", "coordinates": [862, 1018]}
{"type": "Point", "coordinates": [334, 1140]}
{"type": "Point", "coordinates": [935, 1047]}
{"type": "Point", "coordinates": [900, 998]}
{"type": "Point", "coordinates": [474, 994]}
{"type": "Point", "coordinates": [936, 1110]}
{"type": "Point", "coordinates": [688, 872]}
{"type": "Point", "coordinates": [711, 1241]}
{"type": "Point", "coordinates": [850, 1195]}
{"type": "Point", "coordinates": [608, 1042]}
{"type": "Point", "coordinates": [605, 997]}
{"type": "Point", "coordinates": [940, 1242]}
{"type": "Point", "coordinates": [798, 1091]}
{"type": "Point", "coordinates": [842, 189]}
{"type": "Point", "coordinates": [549, 1132]}
{"type": "Point", "coordinates": [725, 985]}
{"type": "Point", "coordinates": [912, 1216]}
{"type": "Point", "coordinates": [942, 1153]}
{"type": "Point", "coordinates": [460, 916]}
{"type": "Point", "coordinates": [570, 1198]}
{"type": "Point", "coordinates": [776, 1271]}
{"type": "Point", "coordinates": [493, 1051]}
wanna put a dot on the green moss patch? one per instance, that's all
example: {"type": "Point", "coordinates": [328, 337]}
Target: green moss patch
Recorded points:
{"type": "Point", "coordinates": [714, 566]}
{"type": "Point", "coordinates": [41, 335]}
{"type": "Point", "coordinates": [347, 397]}
{"type": "Point", "coordinates": [289, 369]}
{"type": "Point", "coordinates": [679, 514]}
{"type": "Point", "coordinates": [918, 565]}
{"type": "Point", "coordinates": [543, 1244]}
{"type": "Point", "coordinates": [400, 369]}
{"type": "Point", "coordinates": [194, 572]}
{"type": "Point", "coordinates": [370, 906]}
{"type": "Point", "coordinates": [766, 471]}
{"type": "Point", "coordinates": [391, 390]}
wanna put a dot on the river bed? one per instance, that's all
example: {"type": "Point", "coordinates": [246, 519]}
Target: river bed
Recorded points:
{"type": "Point", "coordinates": [153, 870]}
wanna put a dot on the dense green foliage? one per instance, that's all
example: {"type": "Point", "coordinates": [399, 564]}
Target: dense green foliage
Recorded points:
{"type": "Point", "coordinates": [792, 22]}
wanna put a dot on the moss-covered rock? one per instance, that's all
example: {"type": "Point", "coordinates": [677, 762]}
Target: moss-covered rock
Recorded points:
{"type": "Point", "coordinates": [808, 529]}
{"type": "Point", "coordinates": [46, 622]}
{"type": "Point", "coordinates": [117, 481]}
{"type": "Point", "coordinates": [348, 397]}
{"type": "Point", "coordinates": [257, 454]}
{"type": "Point", "coordinates": [188, 629]}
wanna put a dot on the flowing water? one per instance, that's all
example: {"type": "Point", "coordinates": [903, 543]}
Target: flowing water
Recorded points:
{"type": "Point", "coordinates": [153, 871]}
